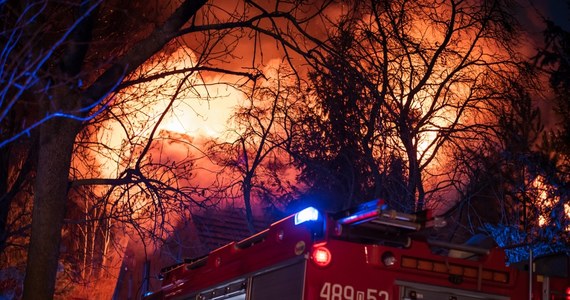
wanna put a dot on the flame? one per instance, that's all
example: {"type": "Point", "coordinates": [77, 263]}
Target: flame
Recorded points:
{"type": "Point", "coordinates": [200, 110]}
{"type": "Point", "coordinates": [546, 201]}
{"type": "Point", "coordinates": [567, 212]}
{"type": "Point", "coordinates": [542, 196]}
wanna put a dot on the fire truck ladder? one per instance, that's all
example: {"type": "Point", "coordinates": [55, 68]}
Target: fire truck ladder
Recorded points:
{"type": "Point", "coordinates": [374, 222]}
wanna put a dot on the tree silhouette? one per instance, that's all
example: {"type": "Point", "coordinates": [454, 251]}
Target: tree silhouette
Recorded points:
{"type": "Point", "coordinates": [521, 168]}
{"type": "Point", "coordinates": [403, 82]}
{"type": "Point", "coordinates": [534, 158]}
{"type": "Point", "coordinates": [252, 156]}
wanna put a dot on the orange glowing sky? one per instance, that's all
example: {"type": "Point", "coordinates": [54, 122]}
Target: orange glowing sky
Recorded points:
{"type": "Point", "coordinates": [201, 118]}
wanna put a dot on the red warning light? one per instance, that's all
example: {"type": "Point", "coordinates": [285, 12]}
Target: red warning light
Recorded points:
{"type": "Point", "coordinates": [322, 256]}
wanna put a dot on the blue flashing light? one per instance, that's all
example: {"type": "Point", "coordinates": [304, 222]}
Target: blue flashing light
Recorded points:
{"type": "Point", "coordinates": [308, 214]}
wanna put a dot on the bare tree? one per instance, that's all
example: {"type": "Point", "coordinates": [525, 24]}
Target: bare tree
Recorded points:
{"type": "Point", "coordinates": [415, 76]}
{"type": "Point", "coordinates": [57, 137]}
{"type": "Point", "coordinates": [523, 169]}
{"type": "Point", "coordinates": [69, 63]}
{"type": "Point", "coordinates": [252, 157]}
{"type": "Point", "coordinates": [532, 156]}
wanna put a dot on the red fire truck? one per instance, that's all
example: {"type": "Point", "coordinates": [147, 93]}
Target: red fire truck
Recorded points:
{"type": "Point", "coordinates": [362, 254]}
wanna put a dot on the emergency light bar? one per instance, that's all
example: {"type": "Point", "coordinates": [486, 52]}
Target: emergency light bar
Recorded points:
{"type": "Point", "coordinates": [308, 214]}
{"type": "Point", "coordinates": [376, 212]}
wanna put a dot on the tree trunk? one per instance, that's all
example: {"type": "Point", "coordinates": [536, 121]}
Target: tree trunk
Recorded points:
{"type": "Point", "coordinates": [57, 137]}
{"type": "Point", "coordinates": [5, 200]}
{"type": "Point", "coordinates": [247, 201]}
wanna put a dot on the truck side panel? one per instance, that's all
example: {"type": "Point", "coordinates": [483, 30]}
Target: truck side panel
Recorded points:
{"type": "Point", "coordinates": [281, 284]}
{"type": "Point", "coordinates": [357, 272]}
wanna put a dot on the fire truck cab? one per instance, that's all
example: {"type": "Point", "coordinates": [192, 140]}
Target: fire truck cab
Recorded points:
{"type": "Point", "coordinates": [361, 254]}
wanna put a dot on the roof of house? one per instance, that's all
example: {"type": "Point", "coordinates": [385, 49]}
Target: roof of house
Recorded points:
{"type": "Point", "coordinates": [220, 227]}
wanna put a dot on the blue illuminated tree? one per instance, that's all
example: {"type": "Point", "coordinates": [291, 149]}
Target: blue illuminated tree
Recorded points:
{"type": "Point", "coordinates": [44, 59]}
{"type": "Point", "coordinates": [523, 172]}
